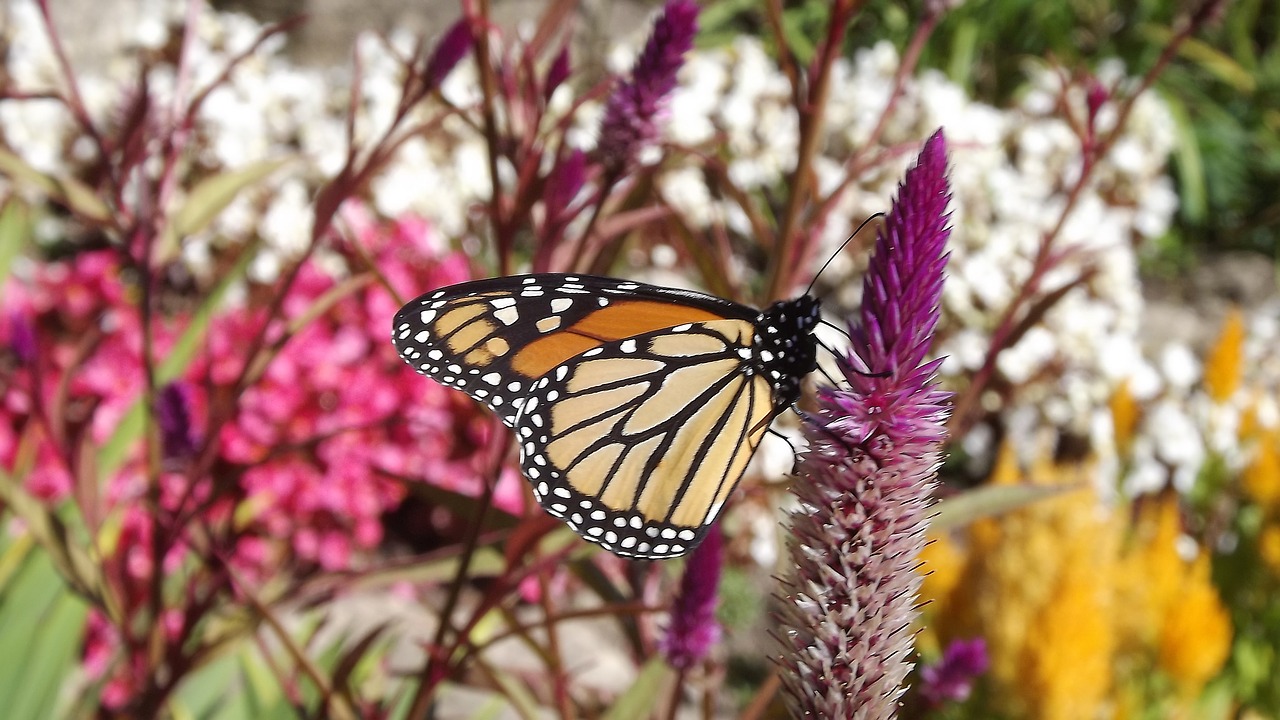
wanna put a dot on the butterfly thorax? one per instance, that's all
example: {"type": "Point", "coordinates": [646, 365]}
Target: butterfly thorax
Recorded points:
{"type": "Point", "coordinates": [786, 350]}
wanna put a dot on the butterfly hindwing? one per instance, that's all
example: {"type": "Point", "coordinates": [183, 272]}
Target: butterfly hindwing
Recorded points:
{"type": "Point", "coordinates": [637, 443]}
{"type": "Point", "coordinates": [493, 338]}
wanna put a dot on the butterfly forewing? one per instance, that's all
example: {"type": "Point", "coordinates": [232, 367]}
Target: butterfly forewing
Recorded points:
{"type": "Point", "coordinates": [638, 443]}
{"type": "Point", "coordinates": [493, 338]}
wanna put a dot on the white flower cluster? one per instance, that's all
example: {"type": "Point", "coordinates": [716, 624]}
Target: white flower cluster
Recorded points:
{"type": "Point", "coordinates": [1183, 425]}
{"type": "Point", "coordinates": [1012, 170]}
{"type": "Point", "coordinates": [268, 110]}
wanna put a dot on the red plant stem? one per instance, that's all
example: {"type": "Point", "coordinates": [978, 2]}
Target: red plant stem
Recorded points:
{"type": "Point", "coordinates": [75, 103]}
{"type": "Point", "coordinates": [860, 160]}
{"type": "Point", "coordinates": [786, 58]}
{"type": "Point", "coordinates": [439, 658]}
{"type": "Point", "coordinates": [573, 255]}
{"type": "Point", "coordinates": [677, 693]}
{"type": "Point", "coordinates": [782, 269]}
{"type": "Point", "coordinates": [152, 218]}
{"type": "Point", "coordinates": [502, 232]}
{"type": "Point", "coordinates": [560, 686]}
{"type": "Point", "coordinates": [962, 418]}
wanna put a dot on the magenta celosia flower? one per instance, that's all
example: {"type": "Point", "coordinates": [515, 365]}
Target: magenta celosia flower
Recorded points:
{"type": "Point", "coordinates": [693, 629]}
{"type": "Point", "coordinates": [631, 113]}
{"type": "Point", "coordinates": [448, 52]}
{"type": "Point", "coordinates": [22, 337]}
{"type": "Point", "coordinates": [563, 184]}
{"type": "Point", "coordinates": [556, 74]}
{"type": "Point", "coordinates": [865, 485]}
{"type": "Point", "coordinates": [951, 678]}
{"type": "Point", "coordinates": [173, 413]}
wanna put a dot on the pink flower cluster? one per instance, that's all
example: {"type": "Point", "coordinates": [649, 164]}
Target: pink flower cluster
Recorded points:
{"type": "Point", "coordinates": [314, 450]}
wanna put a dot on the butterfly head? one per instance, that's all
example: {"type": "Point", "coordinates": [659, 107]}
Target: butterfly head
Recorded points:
{"type": "Point", "coordinates": [786, 348]}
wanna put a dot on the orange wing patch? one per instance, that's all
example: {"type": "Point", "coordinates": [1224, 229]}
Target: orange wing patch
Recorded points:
{"type": "Point", "coordinates": [621, 319]}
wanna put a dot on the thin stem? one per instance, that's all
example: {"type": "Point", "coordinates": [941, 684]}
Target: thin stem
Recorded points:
{"type": "Point", "coordinates": [438, 657]}
{"type": "Point", "coordinates": [76, 104]}
{"type": "Point", "coordinates": [862, 159]}
{"type": "Point", "coordinates": [962, 417]}
{"type": "Point", "coordinates": [782, 266]}
{"type": "Point", "coordinates": [559, 686]}
{"type": "Point", "coordinates": [497, 217]}
{"type": "Point", "coordinates": [677, 693]}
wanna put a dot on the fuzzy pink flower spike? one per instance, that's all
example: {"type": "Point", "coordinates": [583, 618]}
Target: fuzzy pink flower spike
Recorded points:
{"type": "Point", "coordinates": [866, 483]}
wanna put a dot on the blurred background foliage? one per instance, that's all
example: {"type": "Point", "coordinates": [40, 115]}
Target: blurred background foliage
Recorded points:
{"type": "Point", "coordinates": [1224, 92]}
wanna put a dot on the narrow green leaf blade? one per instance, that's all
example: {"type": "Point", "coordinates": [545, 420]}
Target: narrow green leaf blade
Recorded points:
{"type": "Point", "coordinates": [212, 195]}
{"type": "Point", "coordinates": [961, 510]}
{"type": "Point", "coordinates": [638, 701]}
{"type": "Point", "coordinates": [75, 195]}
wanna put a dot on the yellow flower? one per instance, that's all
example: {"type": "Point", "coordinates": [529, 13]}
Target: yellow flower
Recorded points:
{"type": "Point", "coordinates": [1196, 637]}
{"type": "Point", "coordinates": [941, 563]}
{"type": "Point", "coordinates": [1151, 574]}
{"type": "Point", "coordinates": [1224, 367]}
{"type": "Point", "coordinates": [1038, 588]}
{"type": "Point", "coordinates": [1124, 416]}
{"type": "Point", "coordinates": [1269, 548]}
{"type": "Point", "coordinates": [1071, 644]}
{"type": "Point", "coordinates": [1262, 477]}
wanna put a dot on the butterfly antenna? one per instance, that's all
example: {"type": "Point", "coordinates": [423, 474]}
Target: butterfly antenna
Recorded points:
{"type": "Point", "coordinates": [864, 373]}
{"type": "Point", "coordinates": [839, 250]}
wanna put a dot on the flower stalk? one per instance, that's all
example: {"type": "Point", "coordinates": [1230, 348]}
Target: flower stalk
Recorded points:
{"type": "Point", "coordinates": [866, 483]}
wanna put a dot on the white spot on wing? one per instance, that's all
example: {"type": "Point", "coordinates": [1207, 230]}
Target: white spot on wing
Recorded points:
{"type": "Point", "coordinates": [507, 315]}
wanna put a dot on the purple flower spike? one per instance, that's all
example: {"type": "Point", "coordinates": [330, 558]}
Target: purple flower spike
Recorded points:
{"type": "Point", "coordinates": [694, 630]}
{"type": "Point", "coordinates": [564, 183]}
{"type": "Point", "coordinates": [630, 116]}
{"type": "Point", "coordinates": [556, 74]}
{"type": "Point", "coordinates": [22, 337]}
{"type": "Point", "coordinates": [866, 482]}
{"type": "Point", "coordinates": [174, 415]}
{"type": "Point", "coordinates": [449, 51]}
{"type": "Point", "coordinates": [951, 679]}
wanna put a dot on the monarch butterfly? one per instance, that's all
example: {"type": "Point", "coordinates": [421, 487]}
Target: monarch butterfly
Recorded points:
{"type": "Point", "coordinates": [635, 407]}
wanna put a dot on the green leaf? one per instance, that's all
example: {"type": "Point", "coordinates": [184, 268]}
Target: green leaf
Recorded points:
{"type": "Point", "coordinates": [71, 559]}
{"type": "Point", "coordinates": [523, 701]}
{"type": "Point", "coordinates": [207, 693]}
{"type": "Point", "coordinates": [52, 657]}
{"type": "Point", "coordinates": [209, 198]}
{"type": "Point", "coordinates": [492, 709]}
{"type": "Point", "coordinates": [41, 626]}
{"type": "Point", "coordinates": [485, 562]}
{"type": "Point", "coordinates": [262, 692]}
{"type": "Point", "coordinates": [1192, 198]}
{"type": "Point", "coordinates": [963, 53]}
{"type": "Point", "coordinates": [963, 509]}
{"type": "Point", "coordinates": [15, 228]}
{"type": "Point", "coordinates": [638, 701]}
{"type": "Point", "coordinates": [1215, 62]}
{"type": "Point", "coordinates": [75, 195]}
